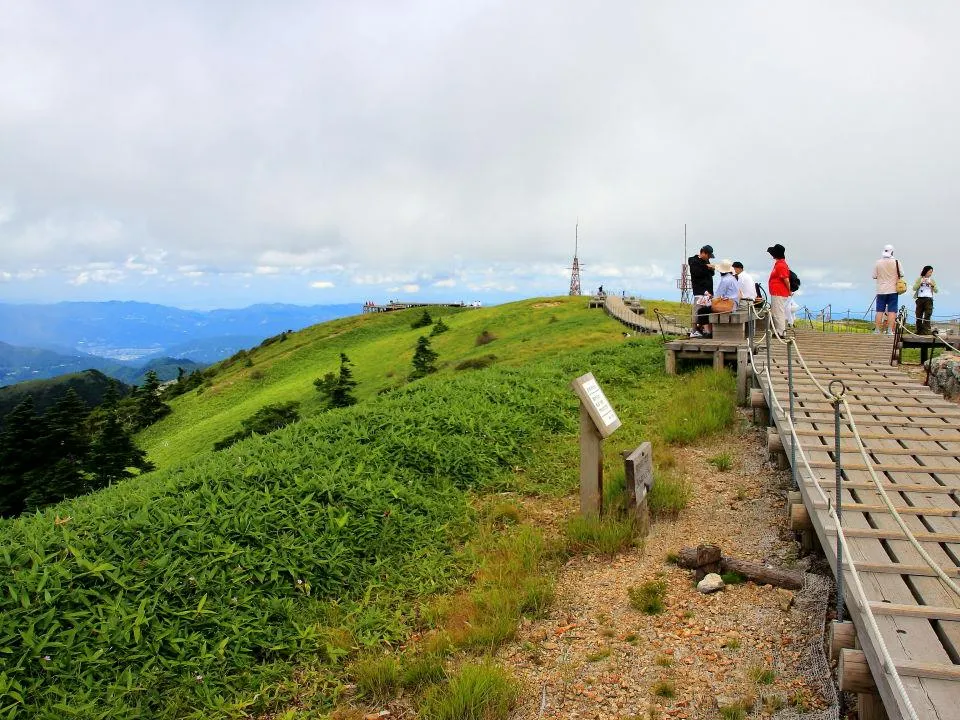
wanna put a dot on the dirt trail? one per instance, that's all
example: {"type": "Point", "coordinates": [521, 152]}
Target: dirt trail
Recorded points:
{"type": "Point", "coordinates": [594, 656]}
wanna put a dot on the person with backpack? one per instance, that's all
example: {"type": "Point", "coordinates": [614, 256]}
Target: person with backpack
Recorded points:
{"type": "Point", "coordinates": [779, 286]}
{"type": "Point", "coordinates": [886, 271]}
{"type": "Point", "coordinates": [701, 278]}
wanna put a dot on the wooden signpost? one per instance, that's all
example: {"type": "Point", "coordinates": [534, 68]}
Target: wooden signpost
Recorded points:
{"type": "Point", "coordinates": [598, 420]}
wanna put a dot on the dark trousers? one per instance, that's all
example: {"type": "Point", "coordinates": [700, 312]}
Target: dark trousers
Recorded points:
{"type": "Point", "coordinates": [924, 311]}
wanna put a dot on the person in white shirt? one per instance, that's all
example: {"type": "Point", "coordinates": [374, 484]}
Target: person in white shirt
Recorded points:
{"type": "Point", "coordinates": [748, 288]}
{"type": "Point", "coordinates": [886, 271]}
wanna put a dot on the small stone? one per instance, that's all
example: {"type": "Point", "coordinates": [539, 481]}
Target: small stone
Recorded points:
{"type": "Point", "coordinates": [785, 598]}
{"type": "Point", "coordinates": [710, 584]}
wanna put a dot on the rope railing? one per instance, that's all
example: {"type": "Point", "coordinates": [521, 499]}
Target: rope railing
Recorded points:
{"type": "Point", "coordinates": [842, 544]}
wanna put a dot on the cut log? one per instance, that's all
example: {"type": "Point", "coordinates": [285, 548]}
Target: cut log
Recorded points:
{"type": "Point", "coordinates": [707, 558]}
{"type": "Point", "coordinates": [843, 636]}
{"type": "Point", "coordinates": [757, 398]}
{"type": "Point", "coordinates": [761, 574]}
{"type": "Point", "coordinates": [853, 673]}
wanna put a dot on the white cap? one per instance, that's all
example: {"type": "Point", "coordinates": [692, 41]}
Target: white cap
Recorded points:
{"type": "Point", "coordinates": [887, 251]}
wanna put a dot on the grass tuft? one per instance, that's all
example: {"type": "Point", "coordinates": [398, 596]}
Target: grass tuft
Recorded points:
{"type": "Point", "coordinates": [477, 692]}
{"type": "Point", "coordinates": [478, 363]}
{"type": "Point", "coordinates": [733, 578]}
{"type": "Point", "coordinates": [377, 678]}
{"type": "Point", "coordinates": [649, 597]}
{"type": "Point", "coordinates": [485, 338]}
{"type": "Point", "coordinates": [669, 495]}
{"type": "Point", "coordinates": [601, 536]}
{"type": "Point", "coordinates": [761, 675]}
{"type": "Point", "coordinates": [600, 653]}
{"type": "Point", "coordinates": [664, 688]}
{"type": "Point", "coordinates": [722, 461]}
{"type": "Point", "coordinates": [702, 406]}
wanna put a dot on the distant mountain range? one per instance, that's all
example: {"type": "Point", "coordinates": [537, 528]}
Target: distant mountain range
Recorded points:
{"type": "Point", "coordinates": [119, 338]}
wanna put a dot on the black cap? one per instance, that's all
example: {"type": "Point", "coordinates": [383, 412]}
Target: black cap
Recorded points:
{"type": "Point", "coordinates": [738, 264]}
{"type": "Point", "coordinates": [778, 251]}
{"type": "Point", "coordinates": [708, 250]}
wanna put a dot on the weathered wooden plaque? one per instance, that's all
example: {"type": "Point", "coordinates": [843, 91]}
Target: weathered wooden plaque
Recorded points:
{"type": "Point", "coordinates": [598, 420]}
{"type": "Point", "coordinates": [638, 470]}
{"type": "Point", "coordinates": [601, 411]}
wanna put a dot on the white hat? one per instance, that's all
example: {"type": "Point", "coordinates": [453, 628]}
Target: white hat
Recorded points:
{"type": "Point", "coordinates": [887, 251]}
{"type": "Point", "coordinates": [724, 266]}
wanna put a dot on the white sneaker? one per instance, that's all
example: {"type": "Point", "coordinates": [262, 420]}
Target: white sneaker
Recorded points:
{"type": "Point", "coordinates": [889, 332]}
{"type": "Point", "coordinates": [696, 334]}
{"type": "Point", "coordinates": [876, 332]}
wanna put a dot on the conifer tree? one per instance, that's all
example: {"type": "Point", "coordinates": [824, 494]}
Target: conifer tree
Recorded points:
{"type": "Point", "coordinates": [439, 327]}
{"type": "Point", "coordinates": [423, 359]}
{"type": "Point", "coordinates": [150, 406]}
{"type": "Point", "coordinates": [63, 448]}
{"type": "Point", "coordinates": [337, 390]}
{"type": "Point", "coordinates": [19, 435]}
{"type": "Point", "coordinates": [113, 452]}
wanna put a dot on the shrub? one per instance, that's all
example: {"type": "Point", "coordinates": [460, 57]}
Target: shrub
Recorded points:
{"type": "Point", "coordinates": [424, 359]}
{"type": "Point", "coordinates": [649, 597]}
{"type": "Point", "coordinates": [439, 327]}
{"type": "Point", "coordinates": [264, 421]}
{"type": "Point", "coordinates": [485, 338]}
{"type": "Point", "coordinates": [477, 692]}
{"type": "Point", "coordinates": [476, 363]}
{"type": "Point", "coordinates": [733, 578]}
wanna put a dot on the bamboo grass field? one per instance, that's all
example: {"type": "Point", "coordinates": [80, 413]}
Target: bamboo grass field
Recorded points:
{"type": "Point", "coordinates": [240, 583]}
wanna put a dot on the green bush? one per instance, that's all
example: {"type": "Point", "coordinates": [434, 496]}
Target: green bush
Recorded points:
{"type": "Point", "coordinates": [649, 597]}
{"type": "Point", "coordinates": [478, 363]}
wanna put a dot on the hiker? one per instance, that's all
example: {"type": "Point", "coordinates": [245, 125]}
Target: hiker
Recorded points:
{"type": "Point", "coordinates": [886, 271]}
{"type": "Point", "coordinates": [923, 289]}
{"type": "Point", "coordinates": [778, 285]}
{"type": "Point", "coordinates": [746, 285]}
{"type": "Point", "coordinates": [701, 278]}
{"type": "Point", "coordinates": [728, 292]}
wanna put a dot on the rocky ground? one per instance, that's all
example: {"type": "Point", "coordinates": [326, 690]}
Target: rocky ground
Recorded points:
{"type": "Point", "coordinates": [742, 651]}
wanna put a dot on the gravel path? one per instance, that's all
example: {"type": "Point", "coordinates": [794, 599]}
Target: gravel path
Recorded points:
{"type": "Point", "coordinates": [594, 656]}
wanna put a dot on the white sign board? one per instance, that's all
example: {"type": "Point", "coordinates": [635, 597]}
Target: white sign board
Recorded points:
{"type": "Point", "coordinates": [596, 403]}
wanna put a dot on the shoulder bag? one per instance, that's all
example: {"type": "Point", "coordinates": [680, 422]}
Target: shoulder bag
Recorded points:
{"type": "Point", "coordinates": [901, 283]}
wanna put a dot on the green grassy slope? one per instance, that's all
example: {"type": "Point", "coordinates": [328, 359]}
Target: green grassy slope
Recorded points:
{"type": "Point", "coordinates": [197, 590]}
{"type": "Point", "coordinates": [381, 348]}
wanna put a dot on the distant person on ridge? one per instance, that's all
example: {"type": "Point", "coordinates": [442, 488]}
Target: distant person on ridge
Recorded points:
{"type": "Point", "coordinates": [746, 285]}
{"type": "Point", "coordinates": [923, 289]}
{"type": "Point", "coordinates": [886, 271]}
{"type": "Point", "coordinates": [779, 288]}
{"type": "Point", "coordinates": [701, 278]}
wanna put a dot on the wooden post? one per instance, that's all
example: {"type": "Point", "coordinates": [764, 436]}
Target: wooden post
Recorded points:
{"type": "Point", "coordinates": [799, 518]}
{"type": "Point", "coordinates": [843, 636]}
{"type": "Point", "coordinates": [743, 375]}
{"type": "Point", "coordinates": [598, 420]}
{"type": "Point", "coordinates": [670, 360]}
{"type": "Point", "coordinates": [591, 466]}
{"type": "Point", "coordinates": [853, 673]}
{"type": "Point", "coordinates": [718, 360]}
{"type": "Point", "coordinates": [870, 707]}
{"type": "Point", "coordinates": [638, 474]}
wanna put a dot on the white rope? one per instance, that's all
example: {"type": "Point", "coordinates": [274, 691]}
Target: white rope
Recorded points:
{"type": "Point", "coordinates": [938, 336]}
{"type": "Point", "coordinates": [888, 663]}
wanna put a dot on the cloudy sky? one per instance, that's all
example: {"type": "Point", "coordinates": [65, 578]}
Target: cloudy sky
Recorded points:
{"type": "Point", "coordinates": [217, 154]}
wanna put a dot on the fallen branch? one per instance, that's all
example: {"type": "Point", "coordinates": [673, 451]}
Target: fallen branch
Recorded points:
{"type": "Point", "coordinates": [706, 559]}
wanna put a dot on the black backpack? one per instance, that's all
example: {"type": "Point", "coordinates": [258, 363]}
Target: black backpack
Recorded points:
{"type": "Point", "coordinates": [794, 282]}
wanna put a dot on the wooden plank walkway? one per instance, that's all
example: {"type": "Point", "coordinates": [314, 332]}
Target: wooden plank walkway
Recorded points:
{"type": "Point", "coordinates": [616, 308]}
{"type": "Point", "coordinates": [912, 436]}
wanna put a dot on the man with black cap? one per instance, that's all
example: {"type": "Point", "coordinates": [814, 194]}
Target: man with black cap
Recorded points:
{"type": "Point", "coordinates": [779, 288]}
{"type": "Point", "coordinates": [701, 278]}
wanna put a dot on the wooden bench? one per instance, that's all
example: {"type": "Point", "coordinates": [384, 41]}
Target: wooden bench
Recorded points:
{"type": "Point", "coordinates": [734, 325]}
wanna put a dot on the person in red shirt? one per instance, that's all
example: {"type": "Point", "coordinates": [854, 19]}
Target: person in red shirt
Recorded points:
{"type": "Point", "coordinates": [779, 288]}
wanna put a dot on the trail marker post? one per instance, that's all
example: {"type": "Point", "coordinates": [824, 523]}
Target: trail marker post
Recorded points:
{"type": "Point", "coordinates": [598, 420]}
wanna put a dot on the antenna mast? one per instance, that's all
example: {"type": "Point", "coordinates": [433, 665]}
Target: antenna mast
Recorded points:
{"type": "Point", "coordinates": [683, 282]}
{"type": "Point", "coordinates": [575, 270]}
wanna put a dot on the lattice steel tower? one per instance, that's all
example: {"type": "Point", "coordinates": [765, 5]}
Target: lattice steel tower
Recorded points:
{"type": "Point", "coordinates": [575, 270]}
{"type": "Point", "coordinates": [683, 282]}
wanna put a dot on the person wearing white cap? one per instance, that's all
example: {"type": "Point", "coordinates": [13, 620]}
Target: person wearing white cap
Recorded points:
{"type": "Point", "coordinates": [886, 271]}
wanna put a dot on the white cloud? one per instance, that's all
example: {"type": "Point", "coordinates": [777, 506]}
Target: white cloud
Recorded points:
{"type": "Point", "coordinates": [266, 270]}
{"type": "Point", "coordinates": [322, 284]}
{"type": "Point", "coordinates": [446, 283]}
{"type": "Point", "coordinates": [407, 288]}
{"type": "Point", "coordinates": [385, 279]}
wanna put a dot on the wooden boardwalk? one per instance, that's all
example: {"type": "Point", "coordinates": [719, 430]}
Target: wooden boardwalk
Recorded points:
{"type": "Point", "coordinates": [616, 308]}
{"type": "Point", "coordinates": [912, 437]}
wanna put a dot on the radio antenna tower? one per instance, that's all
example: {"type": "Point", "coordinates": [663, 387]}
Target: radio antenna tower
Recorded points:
{"type": "Point", "coordinates": [575, 270]}
{"type": "Point", "coordinates": [683, 282]}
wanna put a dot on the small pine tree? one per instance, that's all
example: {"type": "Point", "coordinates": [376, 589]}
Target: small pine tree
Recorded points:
{"type": "Point", "coordinates": [19, 436]}
{"type": "Point", "coordinates": [422, 321]}
{"type": "Point", "coordinates": [113, 452]}
{"type": "Point", "coordinates": [150, 406]}
{"type": "Point", "coordinates": [440, 327]}
{"type": "Point", "coordinates": [423, 359]}
{"type": "Point", "coordinates": [337, 389]}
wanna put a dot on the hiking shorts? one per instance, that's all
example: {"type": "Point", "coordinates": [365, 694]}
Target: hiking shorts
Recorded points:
{"type": "Point", "coordinates": [887, 302]}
